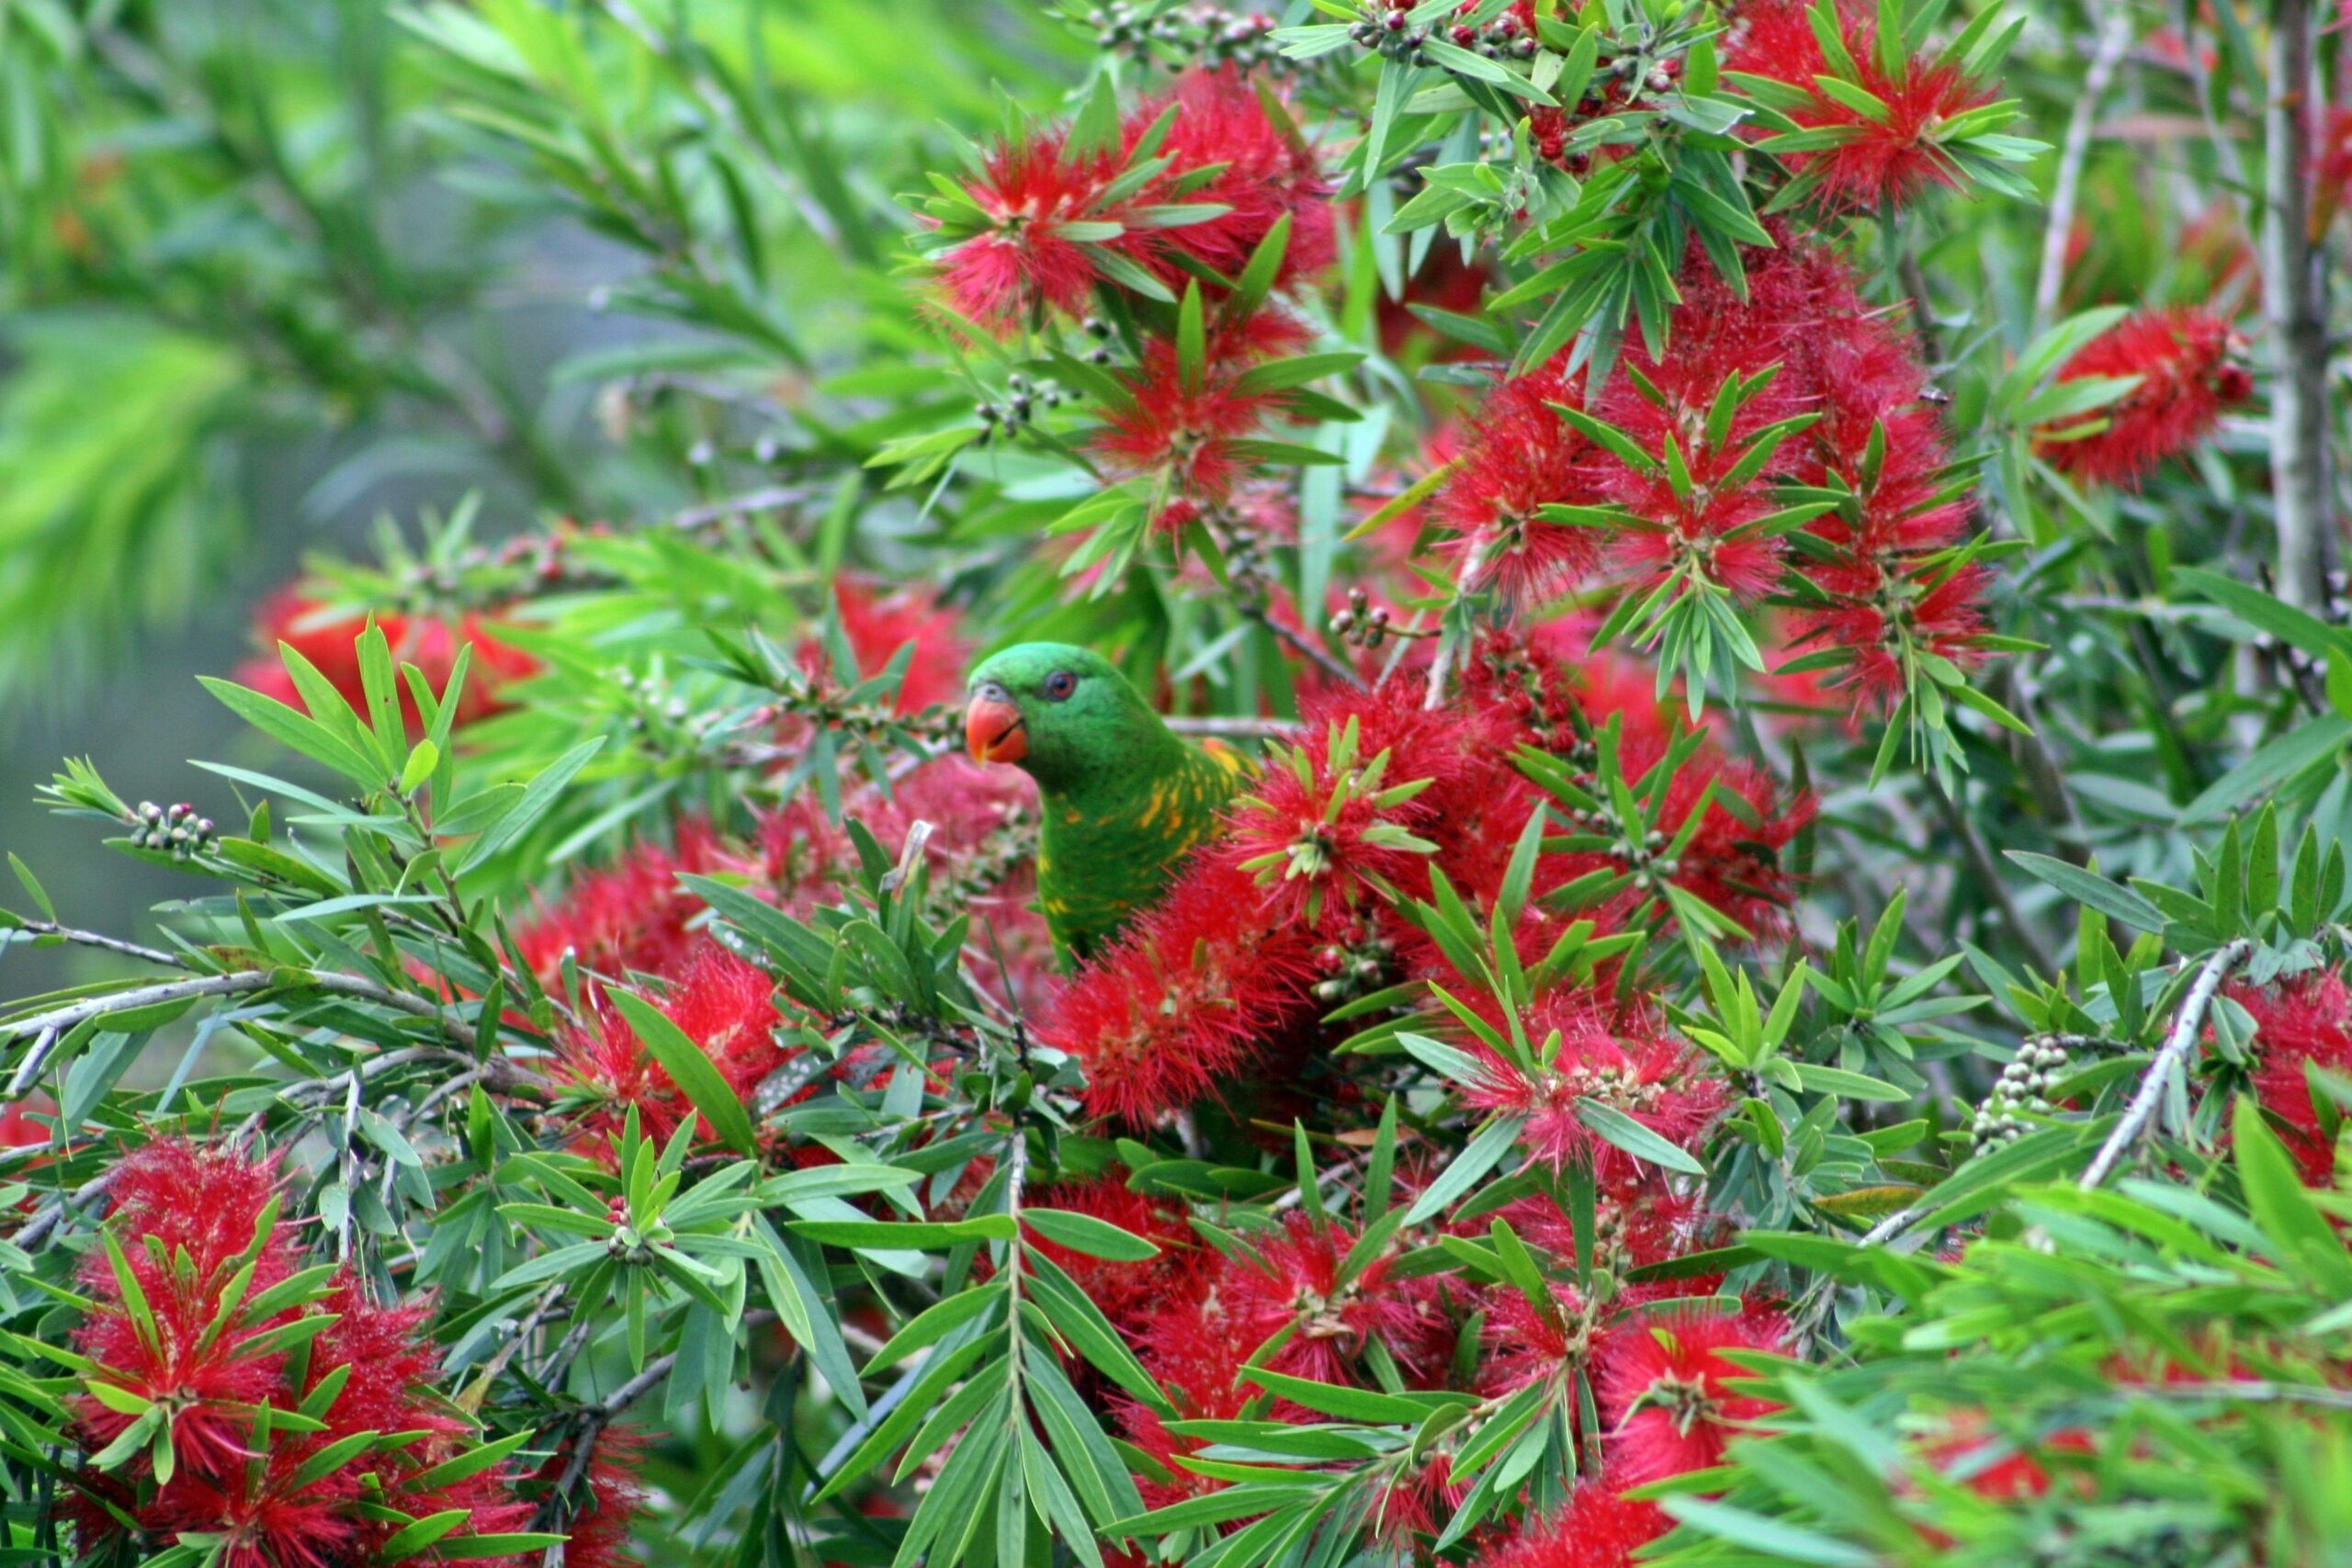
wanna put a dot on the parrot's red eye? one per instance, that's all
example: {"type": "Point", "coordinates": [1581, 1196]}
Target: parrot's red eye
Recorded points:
{"type": "Point", "coordinates": [1059, 685]}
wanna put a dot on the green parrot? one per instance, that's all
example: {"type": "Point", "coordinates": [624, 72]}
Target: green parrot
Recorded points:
{"type": "Point", "coordinates": [1126, 798]}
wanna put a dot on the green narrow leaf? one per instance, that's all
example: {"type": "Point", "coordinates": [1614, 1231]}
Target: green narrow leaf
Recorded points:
{"type": "Point", "coordinates": [691, 1069]}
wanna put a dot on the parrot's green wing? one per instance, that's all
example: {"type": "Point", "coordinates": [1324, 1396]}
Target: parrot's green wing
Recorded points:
{"type": "Point", "coordinates": [1101, 859]}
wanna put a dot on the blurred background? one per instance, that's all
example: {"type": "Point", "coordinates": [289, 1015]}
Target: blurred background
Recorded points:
{"type": "Point", "coordinates": [264, 298]}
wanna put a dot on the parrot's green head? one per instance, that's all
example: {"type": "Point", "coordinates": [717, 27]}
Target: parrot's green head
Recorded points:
{"type": "Point", "coordinates": [1062, 714]}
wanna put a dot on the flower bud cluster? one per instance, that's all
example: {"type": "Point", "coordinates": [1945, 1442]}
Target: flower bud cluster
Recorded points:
{"type": "Point", "coordinates": [2024, 1085]}
{"type": "Point", "coordinates": [179, 830]}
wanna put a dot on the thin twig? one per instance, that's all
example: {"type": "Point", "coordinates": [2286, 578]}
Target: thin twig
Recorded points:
{"type": "Point", "coordinates": [2253, 1392]}
{"type": "Point", "coordinates": [2294, 298]}
{"type": "Point", "coordinates": [591, 1424]}
{"type": "Point", "coordinates": [2115, 37]}
{"type": "Point", "coordinates": [1473, 560]}
{"type": "Point", "coordinates": [775, 498]}
{"type": "Point", "coordinates": [47, 1028]}
{"type": "Point", "coordinates": [1307, 648]}
{"type": "Point", "coordinates": [1235, 728]}
{"type": "Point", "coordinates": [31, 929]}
{"type": "Point", "coordinates": [2187, 1026]}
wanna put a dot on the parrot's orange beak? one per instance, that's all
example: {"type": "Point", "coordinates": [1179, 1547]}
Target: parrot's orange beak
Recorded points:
{"type": "Point", "coordinates": [993, 728]}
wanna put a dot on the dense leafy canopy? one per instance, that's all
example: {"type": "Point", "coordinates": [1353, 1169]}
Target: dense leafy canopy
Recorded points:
{"type": "Point", "coordinates": [1774, 991]}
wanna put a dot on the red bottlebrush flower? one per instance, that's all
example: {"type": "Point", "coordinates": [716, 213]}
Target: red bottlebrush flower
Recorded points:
{"type": "Point", "coordinates": [629, 915]}
{"type": "Point", "coordinates": [1293, 1282]}
{"type": "Point", "coordinates": [1184, 997]}
{"type": "Point", "coordinates": [1599, 1529]}
{"type": "Point", "coordinates": [1879, 158]}
{"type": "Point", "coordinates": [1180, 429]}
{"type": "Point", "coordinates": [598, 1529]}
{"type": "Point", "coordinates": [1418, 1502]}
{"type": "Point", "coordinates": [1623, 1063]}
{"type": "Point", "coordinates": [2181, 356]}
{"type": "Point", "coordinates": [1884, 628]}
{"type": "Point", "coordinates": [1525, 1343]}
{"type": "Point", "coordinates": [1035, 205]}
{"type": "Point", "coordinates": [1732, 859]}
{"type": "Point", "coordinates": [1269, 172]}
{"type": "Point", "coordinates": [723, 1004]}
{"type": "Point", "coordinates": [2306, 1020]}
{"type": "Point", "coordinates": [1637, 1221]}
{"type": "Point", "coordinates": [330, 641]}
{"type": "Point", "coordinates": [1521, 456]}
{"type": "Point", "coordinates": [877, 623]}
{"type": "Point", "coordinates": [1193, 1353]}
{"type": "Point", "coordinates": [271, 1516]}
{"type": "Point", "coordinates": [206, 1205]}
{"type": "Point", "coordinates": [1329, 824]}
{"type": "Point", "coordinates": [207, 1200]}
{"type": "Point", "coordinates": [201, 1213]}
{"type": "Point", "coordinates": [389, 1358]}
{"type": "Point", "coordinates": [1126, 1292]}
{"type": "Point", "coordinates": [1664, 1389]}
{"type": "Point", "coordinates": [1027, 259]}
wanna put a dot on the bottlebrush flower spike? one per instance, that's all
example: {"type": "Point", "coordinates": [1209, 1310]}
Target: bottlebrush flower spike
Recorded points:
{"type": "Point", "coordinates": [1191, 991]}
{"type": "Point", "coordinates": [1326, 826]}
{"type": "Point", "coordinates": [1192, 1352]}
{"type": "Point", "coordinates": [1029, 224]}
{"type": "Point", "coordinates": [598, 1526]}
{"type": "Point", "coordinates": [329, 639]}
{"type": "Point", "coordinates": [1188, 407]}
{"type": "Point", "coordinates": [1293, 1283]}
{"type": "Point", "coordinates": [1864, 123]}
{"type": "Point", "coordinates": [1599, 1529]}
{"type": "Point", "coordinates": [1418, 1502]}
{"type": "Point", "coordinates": [1266, 171]}
{"type": "Point", "coordinates": [1876, 623]}
{"type": "Point", "coordinates": [723, 1004]}
{"type": "Point", "coordinates": [1697, 507]}
{"type": "Point", "coordinates": [2186, 378]}
{"type": "Point", "coordinates": [629, 915]}
{"type": "Point", "coordinates": [1666, 1391]}
{"type": "Point", "coordinates": [1521, 456]}
{"type": "Point", "coordinates": [2307, 1020]}
{"type": "Point", "coordinates": [1525, 1342]}
{"type": "Point", "coordinates": [1587, 1055]}
{"type": "Point", "coordinates": [1127, 1291]}
{"type": "Point", "coordinates": [183, 1222]}
{"type": "Point", "coordinates": [1202, 174]}
{"type": "Point", "coordinates": [876, 624]}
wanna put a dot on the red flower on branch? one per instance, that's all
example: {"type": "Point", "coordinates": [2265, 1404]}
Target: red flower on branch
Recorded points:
{"type": "Point", "coordinates": [1886, 125]}
{"type": "Point", "coordinates": [1047, 221]}
{"type": "Point", "coordinates": [876, 623]}
{"type": "Point", "coordinates": [1666, 1389]}
{"type": "Point", "coordinates": [1292, 1282]}
{"type": "Point", "coordinates": [1185, 997]}
{"type": "Point", "coordinates": [2299, 1024]}
{"type": "Point", "coordinates": [1606, 1059]}
{"type": "Point", "coordinates": [2186, 379]}
{"type": "Point", "coordinates": [723, 1004]}
{"type": "Point", "coordinates": [329, 639]}
{"type": "Point", "coordinates": [1599, 1529]}
{"type": "Point", "coordinates": [1521, 456]}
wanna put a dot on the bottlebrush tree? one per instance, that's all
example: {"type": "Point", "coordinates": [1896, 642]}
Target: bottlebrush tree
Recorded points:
{"type": "Point", "coordinates": [1763, 977]}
